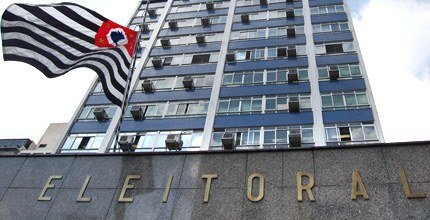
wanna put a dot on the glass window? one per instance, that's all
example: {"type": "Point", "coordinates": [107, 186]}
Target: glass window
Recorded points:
{"type": "Point", "coordinates": [228, 79]}
{"type": "Point", "coordinates": [355, 71]}
{"type": "Point", "coordinates": [307, 135]}
{"type": "Point", "coordinates": [256, 105]}
{"type": "Point", "coordinates": [357, 133]}
{"type": "Point", "coordinates": [369, 132]}
{"type": "Point", "coordinates": [350, 100]}
{"type": "Point", "coordinates": [223, 106]}
{"type": "Point", "coordinates": [281, 136]}
{"type": "Point", "coordinates": [269, 137]}
{"type": "Point", "coordinates": [327, 101]}
{"type": "Point", "coordinates": [271, 104]}
{"type": "Point", "coordinates": [362, 99]}
{"type": "Point", "coordinates": [234, 106]}
{"type": "Point", "coordinates": [338, 101]}
{"type": "Point", "coordinates": [331, 134]}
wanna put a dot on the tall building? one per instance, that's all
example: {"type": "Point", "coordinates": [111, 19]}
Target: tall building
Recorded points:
{"type": "Point", "coordinates": [239, 74]}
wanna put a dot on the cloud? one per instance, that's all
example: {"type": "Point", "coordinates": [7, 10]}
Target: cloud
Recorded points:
{"type": "Point", "coordinates": [393, 36]}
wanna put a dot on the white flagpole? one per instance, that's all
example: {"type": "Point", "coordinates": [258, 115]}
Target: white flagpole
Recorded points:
{"type": "Point", "coordinates": [129, 77]}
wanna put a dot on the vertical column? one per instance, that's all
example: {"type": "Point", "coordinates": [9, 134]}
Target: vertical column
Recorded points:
{"type": "Point", "coordinates": [213, 103]}
{"type": "Point", "coordinates": [365, 77]}
{"type": "Point", "coordinates": [110, 133]}
{"type": "Point", "coordinates": [319, 133]}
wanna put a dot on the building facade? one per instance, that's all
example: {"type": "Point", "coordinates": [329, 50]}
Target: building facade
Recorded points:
{"type": "Point", "coordinates": [239, 74]}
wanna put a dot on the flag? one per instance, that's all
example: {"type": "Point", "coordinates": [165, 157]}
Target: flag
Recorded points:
{"type": "Point", "coordinates": [57, 38]}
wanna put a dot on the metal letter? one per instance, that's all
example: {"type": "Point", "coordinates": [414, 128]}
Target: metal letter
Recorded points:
{"type": "Point", "coordinates": [358, 181]}
{"type": "Point", "coordinates": [261, 188]}
{"type": "Point", "coordinates": [81, 197]}
{"type": "Point", "coordinates": [307, 188]}
{"type": "Point", "coordinates": [208, 178]}
{"type": "Point", "coordinates": [407, 189]}
{"type": "Point", "coordinates": [126, 186]}
{"type": "Point", "coordinates": [48, 185]}
{"type": "Point", "coordinates": [167, 191]}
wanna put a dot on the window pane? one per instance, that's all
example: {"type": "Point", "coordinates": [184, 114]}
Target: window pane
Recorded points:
{"type": "Point", "coordinates": [281, 136]}
{"type": "Point", "coordinates": [271, 76]}
{"type": "Point", "coordinates": [270, 104]}
{"type": "Point", "coordinates": [338, 101]}
{"type": "Point", "coordinates": [272, 52]}
{"type": "Point", "coordinates": [355, 71]}
{"type": "Point", "coordinates": [237, 79]}
{"type": "Point", "coordinates": [327, 101]}
{"type": "Point", "coordinates": [344, 71]}
{"type": "Point", "coordinates": [216, 139]}
{"type": "Point", "coordinates": [323, 72]}
{"type": "Point", "coordinates": [258, 77]}
{"type": "Point", "coordinates": [223, 106]}
{"type": "Point", "coordinates": [282, 103]}
{"type": "Point", "coordinates": [256, 105]}
{"type": "Point", "coordinates": [269, 137]}
{"type": "Point", "coordinates": [246, 105]}
{"type": "Point", "coordinates": [331, 134]}
{"type": "Point", "coordinates": [350, 100]}
{"type": "Point", "coordinates": [196, 139]}
{"type": "Point", "coordinates": [357, 133]}
{"type": "Point", "coordinates": [307, 136]}
{"type": "Point", "coordinates": [370, 133]}
{"type": "Point", "coordinates": [234, 106]}
{"type": "Point", "coordinates": [362, 99]}
{"type": "Point", "coordinates": [228, 79]}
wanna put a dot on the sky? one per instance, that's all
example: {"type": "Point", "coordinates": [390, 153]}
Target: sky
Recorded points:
{"type": "Point", "coordinates": [393, 35]}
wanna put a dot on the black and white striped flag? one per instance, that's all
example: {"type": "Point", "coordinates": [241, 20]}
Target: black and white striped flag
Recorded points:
{"type": "Point", "coordinates": [57, 38]}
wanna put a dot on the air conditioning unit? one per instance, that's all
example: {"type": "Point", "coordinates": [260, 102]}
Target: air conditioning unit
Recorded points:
{"type": "Point", "coordinates": [144, 27]}
{"type": "Point", "coordinates": [100, 114]}
{"type": "Point", "coordinates": [126, 144]}
{"type": "Point", "coordinates": [174, 142]}
{"type": "Point", "coordinates": [228, 141]}
{"type": "Point", "coordinates": [152, 12]}
{"type": "Point", "coordinates": [206, 21]}
{"type": "Point", "coordinates": [147, 85]}
{"type": "Point", "coordinates": [210, 6]}
{"type": "Point", "coordinates": [290, 13]}
{"type": "Point", "coordinates": [263, 2]}
{"type": "Point", "coordinates": [173, 25]}
{"type": "Point", "coordinates": [290, 1]}
{"type": "Point", "coordinates": [294, 104]}
{"type": "Point", "coordinates": [230, 57]}
{"type": "Point", "coordinates": [200, 38]}
{"type": "Point", "coordinates": [137, 113]}
{"type": "Point", "coordinates": [291, 31]}
{"type": "Point", "coordinates": [165, 42]}
{"type": "Point", "coordinates": [295, 138]}
{"type": "Point", "coordinates": [244, 18]}
{"type": "Point", "coordinates": [291, 51]}
{"type": "Point", "coordinates": [333, 73]}
{"type": "Point", "coordinates": [293, 76]}
{"type": "Point", "coordinates": [188, 82]}
{"type": "Point", "coordinates": [157, 62]}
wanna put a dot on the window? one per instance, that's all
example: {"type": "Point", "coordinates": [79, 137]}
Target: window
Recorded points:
{"type": "Point", "coordinates": [335, 48]}
{"type": "Point", "coordinates": [82, 142]}
{"type": "Point", "coordinates": [154, 141]}
{"type": "Point", "coordinates": [87, 112]}
{"type": "Point", "coordinates": [42, 146]}
{"type": "Point", "coordinates": [248, 105]}
{"type": "Point", "coordinates": [330, 27]}
{"type": "Point", "coordinates": [261, 54]}
{"type": "Point", "coordinates": [345, 71]}
{"type": "Point", "coordinates": [344, 100]}
{"type": "Point", "coordinates": [351, 133]}
{"type": "Point", "coordinates": [268, 15]}
{"type": "Point", "coordinates": [327, 9]}
{"type": "Point", "coordinates": [186, 59]}
{"type": "Point", "coordinates": [202, 58]}
{"type": "Point", "coordinates": [275, 76]}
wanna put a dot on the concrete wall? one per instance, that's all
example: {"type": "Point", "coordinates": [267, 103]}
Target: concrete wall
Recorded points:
{"type": "Point", "coordinates": [50, 138]}
{"type": "Point", "coordinates": [23, 178]}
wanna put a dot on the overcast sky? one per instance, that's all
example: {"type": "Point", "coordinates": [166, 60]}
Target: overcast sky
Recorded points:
{"type": "Point", "coordinates": [394, 38]}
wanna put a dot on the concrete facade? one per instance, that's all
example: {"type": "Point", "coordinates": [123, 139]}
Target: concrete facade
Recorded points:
{"type": "Point", "coordinates": [23, 181]}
